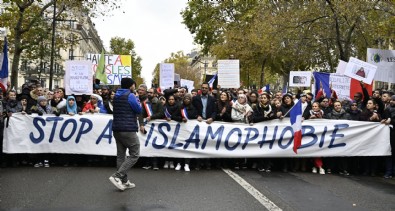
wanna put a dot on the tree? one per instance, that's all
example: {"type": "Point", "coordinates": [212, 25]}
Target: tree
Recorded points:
{"type": "Point", "coordinates": [279, 36]}
{"type": "Point", "coordinates": [181, 67]}
{"type": "Point", "coordinates": [121, 46]}
{"type": "Point", "coordinates": [29, 26]}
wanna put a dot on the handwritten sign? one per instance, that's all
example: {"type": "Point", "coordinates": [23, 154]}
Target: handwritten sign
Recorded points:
{"type": "Point", "coordinates": [78, 77]}
{"type": "Point", "coordinates": [116, 67]}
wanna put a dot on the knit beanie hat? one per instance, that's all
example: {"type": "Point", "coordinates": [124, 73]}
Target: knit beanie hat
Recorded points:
{"type": "Point", "coordinates": [40, 99]}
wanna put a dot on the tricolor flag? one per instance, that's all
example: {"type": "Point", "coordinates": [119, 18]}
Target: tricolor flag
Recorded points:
{"type": "Point", "coordinates": [167, 114]}
{"type": "Point", "coordinates": [148, 108]}
{"type": "Point", "coordinates": [4, 66]}
{"type": "Point", "coordinates": [101, 69]}
{"type": "Point", "coordinates": [344, 86]}
{"type": "Point", "coordinates": [211, 81]}
{"type": "Point", "coordinates": [184, 113]}
{"type": "Point", "coordinates": [296, 123]}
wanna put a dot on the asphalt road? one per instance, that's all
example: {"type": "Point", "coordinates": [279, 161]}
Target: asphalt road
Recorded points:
{"type": "Point", "coordinates": [88, 188]}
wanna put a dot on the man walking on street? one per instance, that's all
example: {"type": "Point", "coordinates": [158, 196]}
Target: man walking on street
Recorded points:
{"type": "Point", "coordinates": [126, 108]}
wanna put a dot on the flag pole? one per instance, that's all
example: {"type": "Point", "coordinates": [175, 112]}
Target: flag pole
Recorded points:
{"type": "Point", "coordinates": [291, 108]}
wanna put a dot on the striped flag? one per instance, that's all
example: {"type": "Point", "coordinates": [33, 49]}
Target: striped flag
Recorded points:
{"type": "Point", "coordinates": [167, 114]}
{"type": "Point", "coordinates": [4, 66]}
{"type": "Point", "coordinates": [211, 81]}
{"type": "Point", "coordinates": [184, 113]}
{"type": "Point", "coordinates": [101, 69]}
{"type": "Point", "coordinates": [296, 122]}
{"type": "Point", "coordinates": [148, 109]}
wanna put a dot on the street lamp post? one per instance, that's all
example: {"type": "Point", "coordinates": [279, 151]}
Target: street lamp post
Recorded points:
{"type": "Point", "coordinates": [52, 46]}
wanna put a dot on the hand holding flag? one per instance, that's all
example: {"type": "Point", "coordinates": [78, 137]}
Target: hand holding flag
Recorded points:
{"type": "Point", "coordinates": [296, 122]}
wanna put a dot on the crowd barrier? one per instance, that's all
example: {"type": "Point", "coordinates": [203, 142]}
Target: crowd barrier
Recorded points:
{"type": "Point", "coordinates": [92, 134]}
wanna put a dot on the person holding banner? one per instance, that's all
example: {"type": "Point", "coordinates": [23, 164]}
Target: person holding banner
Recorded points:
{"type": "Point", "coordinates": [263, 111]}
{"type": "Point", "coordinates": [370, 114]}
{"type": "Point", "coordinates": [187, 112]}
{"type": "Point", "coordinates": [389, 118]}
{"type": "Point", "coordinates": [172, 111]}
{"type": "Point", "coordinates": [316, 113]}
{"type": "Point", "coordinates": [224, 108]}
{"type": "Point", "coordinates": [338, 113]}
{"type": "Point", "coordinates": [152, 109]}
{"type": "Point", "coordinates": [126, 108]}
{"type": "Point", "coordinates": [205, 104]}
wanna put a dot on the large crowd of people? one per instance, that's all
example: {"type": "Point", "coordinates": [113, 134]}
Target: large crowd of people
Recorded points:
{"type": "Point", "coordinates": [206, 104]}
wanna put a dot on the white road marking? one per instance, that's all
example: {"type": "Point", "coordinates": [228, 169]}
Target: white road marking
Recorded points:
{"type": "Point", "coordinates": [253, 191]}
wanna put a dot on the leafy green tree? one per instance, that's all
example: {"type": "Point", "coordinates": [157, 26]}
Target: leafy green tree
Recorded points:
{"type": "Point", "coordinates": [274, 37]}
{"type": "Point", "coordinates": [121, 46]}
{"type": "Point", "coordinates": [30, 27]}
{"type": "Point", "coordinates": [181, 67]}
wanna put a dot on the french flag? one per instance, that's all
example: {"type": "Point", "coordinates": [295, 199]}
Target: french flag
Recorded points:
{"type": "Point", "coordinates": [323, 81]}
{"type": "Point", "coordinates": [4, 66]}
{"type": "Point", "coordinates": [184, 113]}
{"type": "Point", "coordinates": [296, 123]}
{"type": "Point", "coordinates": [148, 108]}
{"type": "Point", "coordinates": [211, 81]}
{"type": "Point", "coordinates": [167, 113]}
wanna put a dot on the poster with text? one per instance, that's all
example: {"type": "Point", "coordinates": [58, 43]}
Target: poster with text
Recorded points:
{"type": "Point", "coordinates": [229, 73]}
{"type": "Point", "coordinates": [166, 75]}
{"type": "Point", "coordinates": [300, 78]}
{"type": "Point", "coordinates": [385, 62]}
{"type": "Point", "coordinates": [116, 67]}
{"type": "Point", "coordinates": [188, 83]}
{"type": "Point", "coordinates": [360, 70]}
{"type": "Point", "coordinates": [78, 77]}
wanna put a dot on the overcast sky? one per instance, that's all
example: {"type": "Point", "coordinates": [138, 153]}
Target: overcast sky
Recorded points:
{"type": "Point", "coordinates": [154, 26]}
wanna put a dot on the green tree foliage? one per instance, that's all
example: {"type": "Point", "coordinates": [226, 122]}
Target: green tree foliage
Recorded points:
{"type": "Point", "coordinates": [274, 37]}
{"type": "Point", "coordinates": [121, 46]}
{"type": "Point", "coordinates": [181, 67]}
{"type": "Point", "coordinates": [30, 24]}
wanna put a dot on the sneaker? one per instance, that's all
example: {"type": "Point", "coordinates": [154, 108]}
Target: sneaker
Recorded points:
{"type": "Point", "coordinates": [46, 163]}
{"type": "Point", "coordinates": [178, 167]}
{"type": "Point", "coordinates": [166, 166]}
{"type": "Point", "coordinates": [345, 173]}
{"type": "Point", "coordinates": [156, 168]}
{"type": "Point", "coordinates": [329, 171]}
{"type": "Point", "coordinates": [39, 164]}
{"type": "Point", "coordinates": [117, 182]}
{"type": "Point", "coordinates": [322, 171]}
{"type": "Point", "coordinates": [261, 169]}
{"type": "Point", "coordinates": [387, 176]}
{"type": "Point", "coordinates": [146, 167]}
{"type": "Point", "coordinates": [171, 164]}
{"type": "Point", "coordinates": [186, 168]}
{"type": "Point", "coordinates": [314, 170]}
{"type": "Point", "coordinates": [129, 185]}
{"type": "Point", "coordinates": [268, 170]}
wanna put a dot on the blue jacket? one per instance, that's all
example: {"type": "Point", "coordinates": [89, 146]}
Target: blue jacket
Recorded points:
{"type": "Point", "coordinates": [126, 108]}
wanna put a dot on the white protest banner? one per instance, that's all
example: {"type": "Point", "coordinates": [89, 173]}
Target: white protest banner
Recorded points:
{"type": "Point", "coordinates": [385, 62]}
{"type": "Point", "coordinates": [341, 84]}
{"type": "Point", "coordinates": [360, 70]}
{"type": "Point", "coordinates": [229, 73]}
{"type": "Point", "coordinates": [188, 83]}
{"type": "Point", "coordinates": [116, 67]}
{"type": "Point", "coordinates": [300, 78]}
{"type": "Point", "coordinates": [92, 134]}
{"type": "Point", "coordinates": [341, 67]}
{"type": "Point", "coordinates": [78, 77]}
{"type": "Point", "coordinates": [166, 75]}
